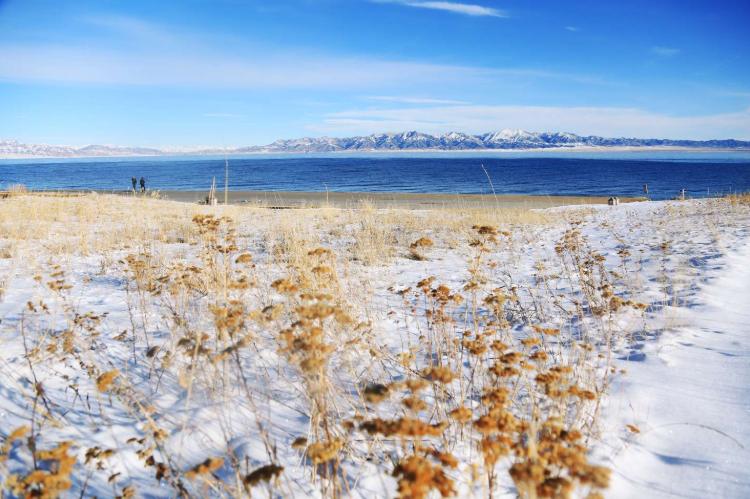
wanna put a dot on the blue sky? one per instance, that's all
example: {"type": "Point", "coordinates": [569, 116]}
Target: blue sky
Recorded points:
{"type": "Point", "coordinates": [245, 72]}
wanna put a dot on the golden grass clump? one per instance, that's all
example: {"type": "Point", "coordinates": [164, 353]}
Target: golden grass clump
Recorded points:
{"type": "Point", "coordinates": [206, 467]}
{"type": "Point", "coordinates": [324, 451]}
{"type": "Point", "coordinates": [105, 381]}
{"type": "Point", "coordinates": [739, 199]}
{"type": "Point", "coordinates": [417, 477]}
{"type": "Point", "coordinates": [15, 435]}
{"type": "Point", "coordinates": [263, 474]}
{"type": "Point", "coordinates": [419, 245]}
{"type": "Point", "coordinates": [51, 476]}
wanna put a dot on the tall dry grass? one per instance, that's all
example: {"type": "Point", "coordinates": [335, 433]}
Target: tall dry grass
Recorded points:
{"type": "Point", "coordinates": [230, 317]}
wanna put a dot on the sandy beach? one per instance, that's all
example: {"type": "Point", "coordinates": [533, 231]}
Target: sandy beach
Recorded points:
{"type": "Point", "coordinates": [281, 199]}
{"type": "Point", "coordinates": [396, 200]}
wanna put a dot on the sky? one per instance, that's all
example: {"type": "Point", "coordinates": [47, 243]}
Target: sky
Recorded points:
{"type": "Point", "coordinates": [194, 73]}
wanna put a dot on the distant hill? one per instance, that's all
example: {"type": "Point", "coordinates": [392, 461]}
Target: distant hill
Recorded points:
{"type": "Point", "coordinates": [15, 149]}
{"type": "Point", "coordinates": [506, 139]}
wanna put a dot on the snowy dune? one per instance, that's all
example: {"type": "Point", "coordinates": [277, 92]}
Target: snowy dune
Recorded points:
{"type": "Point", "coordinates": [231, 351]}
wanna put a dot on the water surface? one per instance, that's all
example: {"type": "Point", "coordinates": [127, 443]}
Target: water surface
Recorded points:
{"type": "Point", "coordinates": [545, 173]}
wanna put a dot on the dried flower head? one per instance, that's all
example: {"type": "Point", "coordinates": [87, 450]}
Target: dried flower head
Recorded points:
{"type": "Point", "coordinates": [417, 477]}
{"type": "Point", "coordinates": [208, 466]}
{"type": "Point", "coordinates": [263, 474]}
{"type": "Point", "coordinates": [439, 374]}
{"type": "Point", "coordinates": [376, 393]}
{"type": "Point", "coordinates": [324, 451]}
{"type": "Point", "coordinates": [104, 381]}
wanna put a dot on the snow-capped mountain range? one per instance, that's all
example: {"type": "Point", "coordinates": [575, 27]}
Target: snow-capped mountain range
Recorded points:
{"type": "Point", "coordinates": [506, 139]}
{"type": "Point", "coordinates": [13, 148]}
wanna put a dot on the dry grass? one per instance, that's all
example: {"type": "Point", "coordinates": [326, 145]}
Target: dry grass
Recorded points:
{"type": "Point", "coordinates": [493, 380]}
{"type": "Point", "coordinates": [739, 198]}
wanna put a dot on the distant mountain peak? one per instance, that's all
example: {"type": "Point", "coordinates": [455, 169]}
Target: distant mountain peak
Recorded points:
{"type": "Point", "coordinates": [412, 140]}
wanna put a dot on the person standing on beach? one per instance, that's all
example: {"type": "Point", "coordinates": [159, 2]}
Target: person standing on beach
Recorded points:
{"type": "Point", "coordinates": [143, 184]}
{"type": "Point", "coordinates": [134, 181]}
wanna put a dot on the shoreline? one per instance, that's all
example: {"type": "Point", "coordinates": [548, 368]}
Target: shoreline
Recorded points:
{"type": "Point", "coordinates": [397, 200]}
{"type": "Point", "coordinates": [354, 153]}
{"type": "Point", "coordinates": [292, 199]}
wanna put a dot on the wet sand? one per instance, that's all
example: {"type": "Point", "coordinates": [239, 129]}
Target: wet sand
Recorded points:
{"type": "Point", "coordinates": [281, 200]}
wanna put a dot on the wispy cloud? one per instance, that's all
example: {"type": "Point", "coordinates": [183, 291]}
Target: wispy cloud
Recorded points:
{"type": "Point", "coordinates": [572, 28]}
{"type": "Point", "coordinates": [71, 64]}
{"type": "Point", "coordinates": [467, 9]}
{"type": "Point", "coordinates": [606, 121]}
{"type": "Point", "coordinates": [414, 100]}
{"type": "Point", "coordinates": [208, 68]}
{"type": "Point", "coordinates": [665, 51]}
{"type": "Point", "coordinates": [160, 56]}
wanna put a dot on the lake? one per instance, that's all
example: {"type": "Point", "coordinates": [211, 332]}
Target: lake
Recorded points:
{"type": "Point", "coordinates": [543, 173]}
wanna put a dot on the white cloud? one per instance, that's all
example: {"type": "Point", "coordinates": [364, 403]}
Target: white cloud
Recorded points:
{"type": "Point", "coordinates": [415, 100]}
{"type": "Point", "coordinates": [572, 28]}
{"type": "Point", "coordinates": [665, 51]}
{"type": "Point", "coordinates": [455, 7]}
{"type": "Point", "coordinates": [605, 121]}
{"type": "Point", "coordinates": [160, 56]}
{"type": "Point", "coordinates": [201, 67]}
{"type": "Point", "coordinates": [208, 69]}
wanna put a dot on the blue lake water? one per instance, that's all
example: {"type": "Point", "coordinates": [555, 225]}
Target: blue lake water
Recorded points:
{"type": "Point", "coordinates": [553, 173]}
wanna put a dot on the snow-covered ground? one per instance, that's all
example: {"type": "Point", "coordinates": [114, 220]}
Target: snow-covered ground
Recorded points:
{"type": "Point", "coordinates": [688, 393]}
{"type": "Point", "coordinates": [672, 419]}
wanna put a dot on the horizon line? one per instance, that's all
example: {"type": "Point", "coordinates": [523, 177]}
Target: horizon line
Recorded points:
{"type": "Point", "coordinates": [198, 148]}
